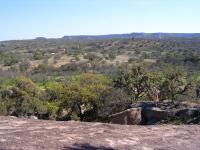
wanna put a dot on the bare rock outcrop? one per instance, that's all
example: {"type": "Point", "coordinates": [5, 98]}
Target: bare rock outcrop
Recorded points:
{"type": "Point", "coordinates": [139, 115]}
{"type": "Point", "coordinates": [154, 114]}
{"type": "Point", "coordinates": [28, 134]}
{"type": "Point", "coordinates": [149, 113]}
{"type": "Point", "coordinates": [131, 116]}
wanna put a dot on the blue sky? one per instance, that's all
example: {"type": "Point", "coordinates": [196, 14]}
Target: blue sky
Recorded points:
{"type": "Point", "coordinates": [25, 19]}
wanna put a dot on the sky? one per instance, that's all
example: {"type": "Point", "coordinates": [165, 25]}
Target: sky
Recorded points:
{"type": "Point", "coordinates": [27, 19]}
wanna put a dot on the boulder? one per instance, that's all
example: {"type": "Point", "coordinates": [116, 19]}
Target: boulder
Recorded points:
{"type": "Point", "coordinates": [195, 121]}
{"type": "Point", "coordinates": [131, 116]}
{"type": "Point", "coordinates": [148, 113]}
{"type": "Point", "coordinates": [188, 114]}
{"type": "Point", "coordinates": [152, 115]}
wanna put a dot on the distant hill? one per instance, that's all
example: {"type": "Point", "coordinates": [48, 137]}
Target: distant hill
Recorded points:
{"type": "Point", "coordinates": [133, 35]}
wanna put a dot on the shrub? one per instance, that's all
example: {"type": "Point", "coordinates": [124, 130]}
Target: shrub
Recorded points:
{"type": "Point", "coordinates": [24, 66]}
{"type": "Point", "coordinates": [23, 98]}
{"type": "Point", "coordinates": [52, 110]}
{"type": "Point", "coordinates": [11, 60]}
{"type": "Point", "coordinates": [83, 92]}
{"type": "Point", "coordinates": [38, 55]}
{"type": "Point", "coordinates": [42, 68]}
{"type": "Point", "coordinates": [133, 82]}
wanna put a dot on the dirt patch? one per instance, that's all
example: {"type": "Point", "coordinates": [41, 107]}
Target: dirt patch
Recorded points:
{"type": "Point", "coordinates": [37, 134]}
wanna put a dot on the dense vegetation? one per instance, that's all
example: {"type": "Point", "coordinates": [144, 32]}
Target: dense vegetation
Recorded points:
{"type": "Point", "coordinates": [90, 80]}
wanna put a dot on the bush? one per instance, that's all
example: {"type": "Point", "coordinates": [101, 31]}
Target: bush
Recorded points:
{"type": "Point", "coordinates": [112, 56]}
{"type": "Point", "coordinates": [52, 110]}
{"type": "Point", "coordinates": [83, 92]}
{"type": "Point", "coordinates": [113, 101]}
{"type": "Point", "coordinates": [11, 60]}
{"type": "Point", "coordinates": [38, 55]}
{"type": "Point", "coordinates": [23, 99]}
{"type": "Point", "coordinates": [133, 82]}
{"type": "Point", "coordinates": [24, 66]}
{"type": "Point", "coordinates": [3, 108]}
{"type": "Point", "coordinates": [42, 68]}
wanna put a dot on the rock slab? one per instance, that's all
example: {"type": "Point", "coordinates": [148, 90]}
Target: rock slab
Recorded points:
{"type": "Point", "coordinates": [28, 134]}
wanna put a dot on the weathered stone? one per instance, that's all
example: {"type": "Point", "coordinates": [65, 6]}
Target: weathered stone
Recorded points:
{"type": "Point", "coordinates": [188, 114]}
{"type": "Point", "coordinates": [154, 114]}
{"type": "Point", "coordinates": [127, 117]}
{"type": "Point", "coordinates": [28, 134]}
{"type": "Point", "coordinates": [195, 121]}
{"type": "Point", "coordinates": [157, 112]}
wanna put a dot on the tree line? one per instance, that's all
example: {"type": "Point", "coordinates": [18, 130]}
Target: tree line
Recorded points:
{"type": "Point", "coordinates": [93, 97]}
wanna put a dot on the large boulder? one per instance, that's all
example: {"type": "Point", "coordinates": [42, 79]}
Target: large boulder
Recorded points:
{"type": "Point", "coordinates": [196, 120]}
{"type": "Point", "coordinates": [188, 114]}
{"type": "Point", "coordinates": [152, 115]}
{"type": "Point", "coordinates": [131, 116]}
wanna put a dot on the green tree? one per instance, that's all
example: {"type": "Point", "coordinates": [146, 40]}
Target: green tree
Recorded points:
{"type": "Point", "coordinates": [83, 92]}
{"type": "Point", "coordinates": [10, 60]}
{"type": "Point", "coordinates": [26, 98]}
{"type": "Point", "coordinates": [54, 92]}
{"type": "Point", "coordinates": [134, 82]}
{"type": "Point", "coordinates": [38, 55]}
{"type": "Point", "coordinates": [176, 83]}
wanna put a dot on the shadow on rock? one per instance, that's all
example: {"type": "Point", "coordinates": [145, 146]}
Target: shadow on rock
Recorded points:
{"type": "Point", "coordinates": [87, 146]}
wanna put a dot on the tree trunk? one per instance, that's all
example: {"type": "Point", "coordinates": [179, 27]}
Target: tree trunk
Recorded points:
{"type": "Point", "coordinates": [173, 97]}
{"type": "Point", "coordinates": [80, 113]}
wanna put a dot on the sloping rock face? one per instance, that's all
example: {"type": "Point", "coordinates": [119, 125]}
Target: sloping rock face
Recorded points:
{"type": "Point", "coordinates": [26, 134]}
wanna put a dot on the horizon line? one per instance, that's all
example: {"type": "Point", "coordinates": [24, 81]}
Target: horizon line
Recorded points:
{"type": "Point", "coordinates": [79, 35]}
